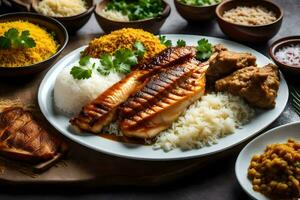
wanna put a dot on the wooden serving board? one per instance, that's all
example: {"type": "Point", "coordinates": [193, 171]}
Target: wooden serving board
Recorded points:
{"type": "Point", "coordinates": [83, 165]}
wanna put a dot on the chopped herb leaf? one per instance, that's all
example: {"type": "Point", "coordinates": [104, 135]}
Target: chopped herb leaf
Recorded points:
{"type": "Point", "coordinates": [181, 43]}
{"type": "Point", "coordinates": [84, 60]}
{"type": "Point", "coordinates": [136, 9]}
{"type": "Point", "coordinates": [81, 72]}
{"type": "Point", "coordinates": [53, 34]}
{"type": "Point", "coordinates": [12, 38]}
{"type": "Point", "coordinates": [297, 164]}
{"type": "Point", "coordinates": [204, 49]}
{"type": "Point", "coordinates": [163, 40]}
{"type": "Point", "coordinates": [107, 61]}
{"type": "Point", "coordinates": [4, 43]}
{"type": "Point", "coordinates": [140, 49]}
{"type": "Point", "coordinates": [103, 72]}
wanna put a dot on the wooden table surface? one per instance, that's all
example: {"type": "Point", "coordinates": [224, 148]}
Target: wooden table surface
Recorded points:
{"type": "Point", "coordinates": [216, 181]}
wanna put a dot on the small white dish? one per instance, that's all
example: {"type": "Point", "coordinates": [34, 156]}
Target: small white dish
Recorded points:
{"type": "Point", "coordinates": [257, 146]}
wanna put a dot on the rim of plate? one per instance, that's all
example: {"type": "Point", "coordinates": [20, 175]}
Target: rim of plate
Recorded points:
{"type": "Point", "coordinates": [251, 143]}
{"type": "Point", "coordinates": [151, 158]}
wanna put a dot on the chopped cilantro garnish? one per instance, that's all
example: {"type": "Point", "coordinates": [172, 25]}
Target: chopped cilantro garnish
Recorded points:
{"type": "Point", "coordinates": [204, 49]}
{"type": "Point", "coordinates": [163, 40]}
{"type": "Point", "coordinates": [136, 9]}
{"type": "Point", "coordinates": [81, 72]}
{"type": "Point", "coordinates": [12, 38]}
{"type": "Point", "coordinates": [181, 43]}
{"type": "Point", "coordinates": [140, 49]}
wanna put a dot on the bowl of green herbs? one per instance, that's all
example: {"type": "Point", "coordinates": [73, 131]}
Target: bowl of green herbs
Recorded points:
{"type": "Point", "coordinates": [149, 15]}
{"type": "Point", "coordinates": [197, 10]}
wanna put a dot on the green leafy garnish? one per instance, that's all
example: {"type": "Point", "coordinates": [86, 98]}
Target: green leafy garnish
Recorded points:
{"type": "Point", "coordinates": [204, 49]}
{"type": "Point", "coordinates": [200, 2]}
{"type": "Point", "coordinates": [122, 60]}
{"type": "Point", "coordinates": [84, 60]}
{"type": "Point", "coordinates": [163, 40]}
{"type": "Point", "coordinates": [53, 34]}
{"type": "Point", "coordinates": [81, 72]}
{"type": "Point", "coordinates": [136, 9]}
{"type": "Point", "coordinates": [12, 38]}
{"type": "Point", "coordinates": [181, 43]}
{"type": "Point", "coordinates": [297, 164]}
{"type": "Point", "coordinates": [140, 49]}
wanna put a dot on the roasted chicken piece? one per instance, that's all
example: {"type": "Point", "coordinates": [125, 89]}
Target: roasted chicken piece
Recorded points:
{"type": "Point", "coordinates": [258, 86]}
{"type": "Point", "coordinates": [156, 116]}
{"type": "Point", "coordinates": [100, 112]}
{"type": "Point", "coordinates": [22, 138]}
{"type": "Point", "coordinates": [224, 63]}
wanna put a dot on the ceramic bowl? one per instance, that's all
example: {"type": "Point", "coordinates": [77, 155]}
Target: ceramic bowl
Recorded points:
{"type": "Point", "coordinates": [51, 25]}
{"type": "Point", "coordinates": [151, 25]}
{"type": "Point", "coordinates": [277, 45]}
{"type": "Point", "coordinates": [195, 13]}
{"type": "Point", "coordinates": [249, 33]}
{"type": "Point", "coordinates": [72, 23]}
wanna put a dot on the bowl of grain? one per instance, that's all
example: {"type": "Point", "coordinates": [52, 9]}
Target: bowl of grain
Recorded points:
{"type": "Point", "coordinates": [149, 16]}
{"type": "Point", "coordinates": [29, 43]}
{"type": "Point", "coordinates": [249, 20]}
{"type": "Point", "coordinates": [73, 14]}
{"type": "Point", "coordinates": [285, 52]}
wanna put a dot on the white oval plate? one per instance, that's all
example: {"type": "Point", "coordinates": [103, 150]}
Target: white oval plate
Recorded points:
{"type": "Point", "coordinates": [257, 146]}
{"type": "Point", "coordinates": [142, 152]}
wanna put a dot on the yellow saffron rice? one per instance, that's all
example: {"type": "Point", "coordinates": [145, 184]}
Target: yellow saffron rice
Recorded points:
{"type": "Point", "coordinates": [45, 47]}
{"type": "Point", "coordinates": [125, 38]}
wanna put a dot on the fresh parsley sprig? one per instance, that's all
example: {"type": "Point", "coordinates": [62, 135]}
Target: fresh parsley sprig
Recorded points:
{"type": "Point", "coordinates": [12, 38]}
{"type": "Point", "coordinates": [82, 71]}
{"type": "Point", "coordinates": [136, 9]}
{"type": "Point", "coordinates": [204, 49]}
{"type": "Point", "coordinates": [121, 61]}
{"type": "Point", "coordinates": [181, 43]}
{"type": "Point", "coordinates": [164, 41]}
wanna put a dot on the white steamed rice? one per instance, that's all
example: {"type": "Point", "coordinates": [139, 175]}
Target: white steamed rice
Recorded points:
{"type": "Point", "coordinates": [70, 95]}
{"type": "Point", "coordinates": [212, 117]}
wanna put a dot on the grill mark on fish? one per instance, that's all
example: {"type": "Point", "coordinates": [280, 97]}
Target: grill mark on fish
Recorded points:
{"type": "Point", "coordinates": [157, 87]}
{"type": "Point", "coordinates": [155, 118]}
{"type": "Point", "coordinates": [109, 101]}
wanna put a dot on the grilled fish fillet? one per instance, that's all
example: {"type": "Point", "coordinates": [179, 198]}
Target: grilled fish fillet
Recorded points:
{"type": "Point", "coordinates": [154, 118]}
{"type": "Point", "coordinates": [21, 137]}
{"type": "Point", "coordinates": [100, 112]}
{"type": "Point", "coordinates": [158, 86]}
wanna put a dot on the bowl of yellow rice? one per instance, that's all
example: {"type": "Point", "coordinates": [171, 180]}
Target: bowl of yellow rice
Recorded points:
{"type": "Point", "coordinates": [47, 38]}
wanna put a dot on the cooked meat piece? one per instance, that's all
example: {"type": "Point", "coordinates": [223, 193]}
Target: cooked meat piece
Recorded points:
{"type": "Point", "coordinates": [258, 86]}
{"type": "Point", "coordinates": [22, 138]}
{"type": "Point", "coordinates": [154, 118]}
{"type": "Point", "coordinates": [225, 62]}
{"type": "Point", "coordinates": [158, 86]}
{"type": "Point", "coordinates": [218, 48]}
{"type": "Point", "coordinates": [100, 112]}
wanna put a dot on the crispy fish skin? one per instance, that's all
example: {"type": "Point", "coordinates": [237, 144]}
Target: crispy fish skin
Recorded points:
{"type": "Point", "coordinates": [100, 112]}
{"type": "Point", "coordinates": [22, 138]}
{"type": "Point", "coordinates": [148, 122]}
{"type": "Point", "coordinates": [157, 86]}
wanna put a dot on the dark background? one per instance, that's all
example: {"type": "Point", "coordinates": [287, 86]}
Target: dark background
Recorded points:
{"type": "Point", "coordinates": [214, 182]}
